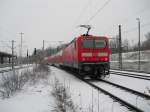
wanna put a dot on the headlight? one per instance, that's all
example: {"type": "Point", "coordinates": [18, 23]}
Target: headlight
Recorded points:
{"type": "Point", "coordinates": [102, 54]}
{"type": "Point", "coordinates": [86, 54]}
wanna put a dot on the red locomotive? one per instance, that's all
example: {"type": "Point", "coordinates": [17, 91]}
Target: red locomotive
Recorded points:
{"type": "Point", "coordinates": [89, 55]}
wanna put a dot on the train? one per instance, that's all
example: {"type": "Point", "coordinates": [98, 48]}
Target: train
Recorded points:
{"type": "Point", "coordinates": [86, 54]}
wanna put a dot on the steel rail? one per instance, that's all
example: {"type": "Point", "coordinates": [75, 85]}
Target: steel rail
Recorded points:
{"type": "Point", "coordinates": [2, 71]}
{"type": "Point", "coordinates": [130, 75]}
{"type": "Point", "coordinates": [126, 89]}
{"type": "Point", "coordinates": [126, 104]}
{"type": "Point", "coordinates": [132, 71]}
{"type": "Point", "coordinates": [8, 70]}
{"type": "Point", "coordinates": [121, 101]}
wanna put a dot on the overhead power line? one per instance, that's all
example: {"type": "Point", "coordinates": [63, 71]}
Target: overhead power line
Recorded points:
{"type": "Point", "coordinates": [82, 12]}
{"type": "Point", "coordinates": [99, 10]}
{"type": "Point", "coordinates": [146, 24]}
{"type": "Point", "coordinates": [125, 20]}
{"type": "Point", "coordinates": [133, 29]}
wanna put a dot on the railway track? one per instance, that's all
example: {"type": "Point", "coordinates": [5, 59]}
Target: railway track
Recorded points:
{"type": "Point", "coordinates": [2, 71]}
{"type": "Point", "coordinates": [125, 88]}
{"type": "Point", "coordinates": [131, 71]}
{"type": "Point", "coordinates": [129, 106]}
{"type": "Point", "coordinates": [7, 70]}
{"type": "Point", "coordinates": [133, 75]}
{"type": "Point", "coordinates": [121, 101]}
{"type": "Point", "coordinates": [114, 97]}
{"type": "Point", "coordinates": [129, 103]}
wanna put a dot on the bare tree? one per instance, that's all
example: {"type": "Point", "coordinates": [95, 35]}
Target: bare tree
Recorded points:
{"type": "Point", "coordinates": [125, 45]}
{"type": "Point", "coordinates": [146, 43]}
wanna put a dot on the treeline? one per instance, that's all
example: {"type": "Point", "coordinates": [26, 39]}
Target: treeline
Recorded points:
{"type": "Point", "coordinates": [53, 50]}
{"type": "Point", "coordinates": [39, 54]}
{"type": "Point", "coordinates": [126, 47]}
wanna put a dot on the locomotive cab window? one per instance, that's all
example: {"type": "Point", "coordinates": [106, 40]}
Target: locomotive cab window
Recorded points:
{"type": "Point", "coordinates": [93, 43]}
{"type": "Point", "coordinates": [100, 43]}
{"type": "Point", "coordinates": [88, 43]}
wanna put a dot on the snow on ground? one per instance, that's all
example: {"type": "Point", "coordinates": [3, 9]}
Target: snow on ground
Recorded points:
{"type": "Point", "coordinates": [85, 96]}
{"type": "Point", "coordinates": [128, 97]}
{"type": "Point", "coordinates": [38, 98]}
{"type": "Point", "coordinates": [130, 60]}
{"type": "Point", "coordinates": [18, 66]}
{"type": "Point", "coordinates": [31, 99]}
{"type": "Point", "coordinates": [145, 55]}
{"type": "Point", "coordinates": [27, 67]}
{"type": "Point", "coordinates": [78, 87]}
{"type": "Point", "coordinates": [133, 83]}
{"type": "Point", "coordinates": [138, 73]}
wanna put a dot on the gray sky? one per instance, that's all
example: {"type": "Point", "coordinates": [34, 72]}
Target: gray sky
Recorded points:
{"type": "Point", "coordinates": [57, 20]}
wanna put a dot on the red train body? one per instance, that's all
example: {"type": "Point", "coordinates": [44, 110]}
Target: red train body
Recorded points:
{"type": "Point", "coordinates": [89, 55]}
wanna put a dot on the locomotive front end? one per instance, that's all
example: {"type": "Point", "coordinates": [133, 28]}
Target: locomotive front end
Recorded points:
{"type": "Point", "coordinates": [94, 56]}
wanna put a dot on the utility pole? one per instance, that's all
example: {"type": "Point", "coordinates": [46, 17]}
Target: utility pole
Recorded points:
{"type": "Point", "coordinates": [120, 48]}
{"type": "Point", "coordinates": [12, 54]}
{"type": "Point", "coordinates": [43, 45]}
{"type": "Point", "coordinates": [27, 57]}
{"type": "Point", "coordinates": [139, 43]}
{"type": "Point", "coordinates": [21, 34]}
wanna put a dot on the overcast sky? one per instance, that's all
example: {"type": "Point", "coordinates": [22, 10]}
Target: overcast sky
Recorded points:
{"type": "Point", "coordinates": [57, 20]}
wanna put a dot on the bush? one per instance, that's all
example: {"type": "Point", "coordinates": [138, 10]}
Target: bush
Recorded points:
{"type": "Point", "coordinates": [41, 68]}
{"type": "Point", "coordinates": [64, 102]}
{"type": "Point", "coordinates": [39, 72]}
{"type": "Point", "coordinates": [12, 83]}
{"type": "Point", "coordinates": [15, 81]}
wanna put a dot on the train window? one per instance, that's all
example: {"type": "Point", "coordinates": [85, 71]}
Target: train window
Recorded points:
{"type": "Point", "coordinates": [100, 43]}
{"type": "Point", "coordinates": [89, 43]}
{"type": "Point", "coordinates": [93, 43]}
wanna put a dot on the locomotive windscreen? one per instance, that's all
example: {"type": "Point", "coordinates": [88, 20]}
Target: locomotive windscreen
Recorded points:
{"type": "Point", "coordinates": [99, 43]}
{"type": "Point", "coordinates": [93, 43]}
{"type": "Point", "coordinates": [88, 43]}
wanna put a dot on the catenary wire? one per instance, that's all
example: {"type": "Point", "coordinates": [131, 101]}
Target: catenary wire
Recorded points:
{"type": "Point", "coordinates": [98, 11]}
